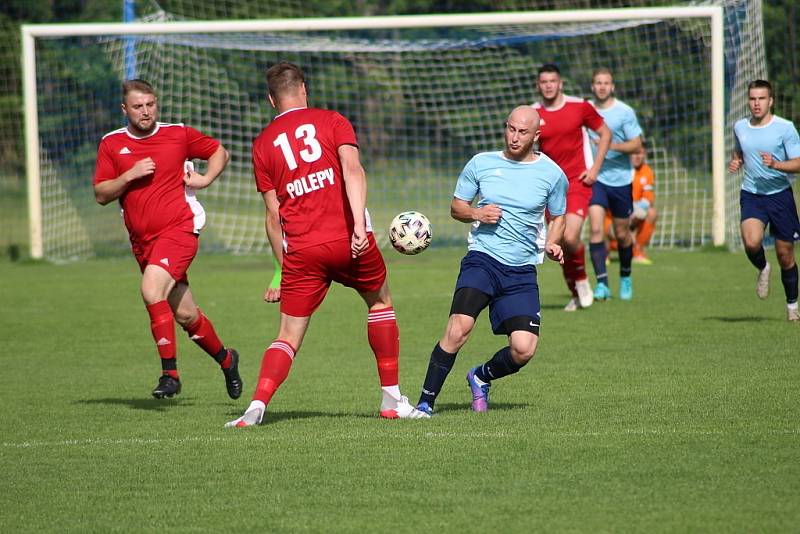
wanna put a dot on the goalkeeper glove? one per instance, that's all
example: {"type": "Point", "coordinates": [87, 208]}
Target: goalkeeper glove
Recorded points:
{"type": "Point", "coordinates": [640, 208]}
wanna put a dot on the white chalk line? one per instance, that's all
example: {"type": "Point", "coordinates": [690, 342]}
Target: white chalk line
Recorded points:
{"type": "Point", "coordinates": [248, 435]}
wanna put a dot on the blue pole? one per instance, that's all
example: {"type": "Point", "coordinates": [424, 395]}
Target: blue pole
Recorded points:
{"type": "Point", "coordinates": [129, 15]}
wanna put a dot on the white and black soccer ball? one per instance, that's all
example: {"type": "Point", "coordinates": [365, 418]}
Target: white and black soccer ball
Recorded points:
{"type": "Point", "coordinates": [410, 232]}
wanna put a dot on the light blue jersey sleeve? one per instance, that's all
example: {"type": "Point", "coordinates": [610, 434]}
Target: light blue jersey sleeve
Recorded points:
{"type": "Point", "coordinates": [557, 201]}
{"type": "Point", "coordinates": [467, 187]}
{"type": "Point", "coordinates": [791, 142]}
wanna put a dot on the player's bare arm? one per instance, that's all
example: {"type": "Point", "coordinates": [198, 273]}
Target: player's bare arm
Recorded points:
{"type": "Point", "coordinates": [463, 211]}
{"type": "Point", "coordinates": [627, 147]}
{"type": "Point", "coordinates": [555, 231]}
{"type": "Point", "coordinates": [216, 164]}
{"type": "Point", "coordinates": [108, 190]}
{"type": "Point", "coordinates": [589, 176]}
{"type": "Point", "coordinates": [736, 161]}
{"type": "Point", "coordinates": [790, 165]}
{"type": "Point", "coordinates": [355, 183]}
{"type": "Point", "coordinates": [272, 225]}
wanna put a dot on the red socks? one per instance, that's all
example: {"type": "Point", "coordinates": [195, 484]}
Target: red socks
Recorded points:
{"type": "Point", "coordinates": [384, 338]}
{"type": "Point", "coordinates": [275, 367]}
{"type": "Point", "coordinates": [202, 332]}
{"type": "Point", "coordinates": [163, 329]}
{"type": "Point", "coordinates": [574, 268]}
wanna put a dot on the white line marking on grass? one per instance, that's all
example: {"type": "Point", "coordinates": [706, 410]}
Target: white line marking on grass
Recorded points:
{"type": "Point", "coordinates": [240, 436]}
{"type": "Point", "coordinates": [132, 441]}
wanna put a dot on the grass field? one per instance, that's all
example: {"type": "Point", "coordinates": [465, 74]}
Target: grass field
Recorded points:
{"type": "Point", "coordinates": [675, 412]}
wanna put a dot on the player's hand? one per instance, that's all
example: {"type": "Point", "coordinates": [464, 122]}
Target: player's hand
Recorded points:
{"type": "Point", "coordinates": [272, 294]}
{"type": "Point", "coordinates": [195, 180]}
{"type": "Point", "coordinates": [734, 165]}
{"type": "Point", "coordinates": [588, 177]}
{"type": "Point", "coordinates": [640, 208]}
{"type": "Point", "coordinates": [554, 252]}
{"type": "Point", "coordinates": [142, 168]}
{"type": "Point", "coordinates": [358, 243]}
{"type": "Point", "coordinates": [489, 214]}
{"type": "Point", "coordinates": [767, 159]}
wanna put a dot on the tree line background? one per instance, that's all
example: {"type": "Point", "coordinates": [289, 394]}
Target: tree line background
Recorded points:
{"type": "Point", "coordinates": [780, 32]}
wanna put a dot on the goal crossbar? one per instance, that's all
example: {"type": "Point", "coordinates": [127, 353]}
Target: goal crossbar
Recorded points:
{"type": "Point", "coordinates": [29, 32]}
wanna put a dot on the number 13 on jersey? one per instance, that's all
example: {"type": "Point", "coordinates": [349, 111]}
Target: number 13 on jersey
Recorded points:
{"type": "Point", "coordinates": [312, 151]}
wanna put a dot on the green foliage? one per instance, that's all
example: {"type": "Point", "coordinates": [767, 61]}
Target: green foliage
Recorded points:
{"type": "Point", "coordinates": [648, 416]}
{"type": "Point", "coordinates": [782, 36]}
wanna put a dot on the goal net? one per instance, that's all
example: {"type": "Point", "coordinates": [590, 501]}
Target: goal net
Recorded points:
{"type": "Point", "coordinates": [423, 100]}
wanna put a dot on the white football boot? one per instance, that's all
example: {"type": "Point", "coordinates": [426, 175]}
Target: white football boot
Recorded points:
{"type": "Point", "coordinates": [252, 416]}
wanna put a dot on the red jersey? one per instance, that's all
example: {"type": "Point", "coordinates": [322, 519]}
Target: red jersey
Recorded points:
{"type": "Point", "coordinates": [297, 156]}
{"type": "Point", "coordinates": [563, 137]}
{"type": "Point", "coordinates": [160, 201]}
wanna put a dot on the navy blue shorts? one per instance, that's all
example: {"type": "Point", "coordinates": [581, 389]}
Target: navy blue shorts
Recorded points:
{"type": "Point", "coordinates": [513, 291]}
{"type": "Point", "coordinates": [778, 210]}
{"type": "Point", "coordinates": [617, 200]}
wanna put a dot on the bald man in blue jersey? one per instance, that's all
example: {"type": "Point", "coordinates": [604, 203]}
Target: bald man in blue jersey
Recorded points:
{"type": "Point", "coordinates": [509, 237]}
{"type": "Point", "coordinates": [768, 147]}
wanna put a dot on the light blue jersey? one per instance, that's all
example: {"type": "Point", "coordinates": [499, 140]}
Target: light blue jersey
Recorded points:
{"type": "Point", "coordinates": [522, 190]}
{"type": "Point", "coordinates": [778, 138]}
{"type": "Point", "coordinates": [621, 120]}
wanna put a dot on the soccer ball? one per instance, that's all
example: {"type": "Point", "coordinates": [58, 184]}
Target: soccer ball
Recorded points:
{"type": "Point", "coordinates": [410, 232]}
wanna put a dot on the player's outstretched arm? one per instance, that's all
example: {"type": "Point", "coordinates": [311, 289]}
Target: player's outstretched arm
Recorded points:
{"type": "Point", "coordinates": [108, 190]}
{"type": "Point", "coordinates": [272, 225]}
{"type": "Point", "coordinates": [461, 210]}
{"type": "Point", "coordinates": [216, 164]}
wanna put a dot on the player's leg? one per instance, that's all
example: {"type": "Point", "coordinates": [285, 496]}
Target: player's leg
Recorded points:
{"type": "Point", "coordinates": [785, 253]}
{"type": "Point", "coordinates": [200, 330]}
{"type": "Point", "coordinates": [474, 288]}
{"type": "Point", "coordinates": [754, 219]}
{"type": "Point", "coordinates": [466, 306]}
{"type": "Point", "coordinates": [574, 266]}
{"type": "Point", "coordinates": [367, 275]}
{"type": "Point", "coordinates": [304, 284]}
{"type": "Point", "coordinates": [608, 232]}
{"type": "Point", "coordinates": [644, 232]}
{"type": "Point", "coordinates": [156, 285]}
{"type": "Point", "coordinates": [597, 242]}
{"type": "Point", "coordinates": [785, 227]}
{"type": "Point", "coordinates": [275, 366]}
{"type": "Point", "coordinates": [515, 313]}
{"type": "Point", "coordinates": [620, 203]}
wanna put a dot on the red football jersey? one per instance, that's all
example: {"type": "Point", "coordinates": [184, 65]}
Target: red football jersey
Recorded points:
{"type": "Point", "coordinates": [160, 201]}
{"type": "Point", "coordinates": [563, 137]}
{"type": "Point", "coordinates": [297, 156]}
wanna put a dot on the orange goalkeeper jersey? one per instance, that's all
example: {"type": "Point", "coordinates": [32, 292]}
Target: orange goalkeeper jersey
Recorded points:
{"type": "Point", "coordinates": [643, 186]}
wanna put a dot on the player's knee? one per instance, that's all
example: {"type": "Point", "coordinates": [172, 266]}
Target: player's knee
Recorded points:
{"type": "Point", "coordinates": [571, 243]}
{"type": "Point", "coordinates": [785, 257]}
{"type": "Point", "coordinates": [458, 331]}
{"type": "Point", "coordinates": [522, 352]}
{"type": "Point", "coordinates": [185, 317]}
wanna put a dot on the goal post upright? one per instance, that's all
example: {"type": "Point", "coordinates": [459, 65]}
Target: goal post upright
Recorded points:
{"type": "Point", "coordinates": [34, 183]}
{"type": "Point", "coordinates": [712, 13]}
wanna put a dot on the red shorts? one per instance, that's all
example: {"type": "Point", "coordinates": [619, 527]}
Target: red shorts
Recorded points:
{"type": "Point", "coordinates": [307, 274]}
{"type": "Point", "coordinates": [173, 251]}
{"type": "Point", "coordinates": [578, 197]}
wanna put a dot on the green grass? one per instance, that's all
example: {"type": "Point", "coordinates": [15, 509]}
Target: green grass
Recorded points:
{"type": "Point", "coordinates": [675, 412]}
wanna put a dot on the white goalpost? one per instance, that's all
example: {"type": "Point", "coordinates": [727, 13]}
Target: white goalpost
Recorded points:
{"type": "Point", "coordinates": [423, 91]}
